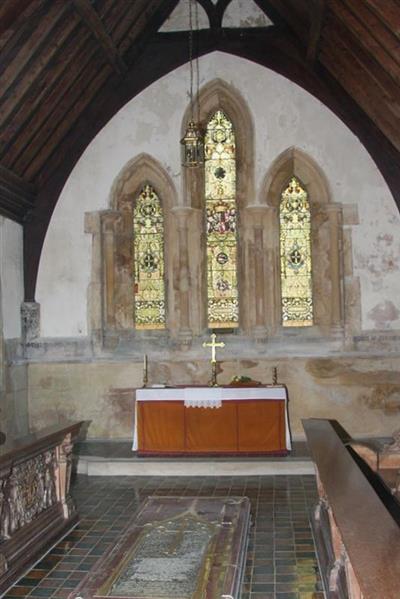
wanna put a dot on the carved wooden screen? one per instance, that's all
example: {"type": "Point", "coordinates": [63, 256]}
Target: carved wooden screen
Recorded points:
{"type": "Point", "coordinates": [148, 251]}
{"type": "Point", "coordinates": [295, 256]}
{"type": "Point", "coordinates": [221, 215]}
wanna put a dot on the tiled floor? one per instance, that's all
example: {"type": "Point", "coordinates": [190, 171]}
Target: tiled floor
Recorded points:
{"type": "Point", "coordinates": [281, 560]}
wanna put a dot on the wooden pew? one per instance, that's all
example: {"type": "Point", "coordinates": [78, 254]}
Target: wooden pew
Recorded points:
{"type": "Point", "coordinates": [357, 538]}
{"type": "Point", "coordinates": [35, 505]}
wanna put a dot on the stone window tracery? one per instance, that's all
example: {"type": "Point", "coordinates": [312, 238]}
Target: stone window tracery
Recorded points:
{"type": "Point", "coordinates": [221, 222]}
{"type": "Point", "coordinates": [148, 252]}
{"type": "Point", "coordinates": [295, 256]}
{"type": "Point", "coordinates": [200, 230]}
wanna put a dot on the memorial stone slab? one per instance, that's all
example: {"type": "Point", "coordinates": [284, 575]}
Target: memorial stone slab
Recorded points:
{"type": "Point", "coordinates": [186, 547]}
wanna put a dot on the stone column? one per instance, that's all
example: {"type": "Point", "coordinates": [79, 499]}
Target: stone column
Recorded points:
{"type": "Point", "coordinates": [109, 274]}
{"type": "Point", "coordinates": [183, 214]}
{"type": "Point", "coordinates": [30, 321]}
{"type": "Point", "coordinates": [94, 297]}
{"type": "Point", "coordinates": [259, 213]}
{"type": "Point", "coordinates": [335, 243]}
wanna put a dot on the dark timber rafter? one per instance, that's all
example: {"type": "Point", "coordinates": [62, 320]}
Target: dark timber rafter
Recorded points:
{"type": "Point", "coordinates": [9, 12]}
{"type": "Point", "coordinates": [152, 25]}
{"type": "Point", "coordinates": [16, 196]}
{"type": "Point", "coordinates": [317, 12]}
{"type": "Point", "coordinates": [92, 20]}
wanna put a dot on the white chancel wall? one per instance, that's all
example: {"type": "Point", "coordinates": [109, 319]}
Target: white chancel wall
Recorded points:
{"type": "Point", "coordinates": [11, 277]}
{"type": "Point", "coordinates": [284, 116]}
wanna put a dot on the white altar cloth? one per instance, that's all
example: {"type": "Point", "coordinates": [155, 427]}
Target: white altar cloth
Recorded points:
{"type": "Point", "coordinates": [216, 394]}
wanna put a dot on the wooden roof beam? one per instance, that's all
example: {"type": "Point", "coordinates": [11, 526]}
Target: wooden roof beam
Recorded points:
{"type": "Point", "coordinates": [93, 22]}
{"type": "Point", "coordinates": [9, 13]}
{"type": "Point", "coordinates": [17, 197]}
{"type": "Point", "coordinates": [317, 13]}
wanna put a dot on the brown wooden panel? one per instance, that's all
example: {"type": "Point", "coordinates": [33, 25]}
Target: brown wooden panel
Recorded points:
{"type": "Point", "coordinates": [44, 118]}
{"type": "Point", "coordinates": [338, 61]}
{"type": "Point", "coordinates": [37, 64]}
{"type": "Point", "coordinates": [138, 23]}
{"type": "Point", "coordinates": [58, 124]}
{"type": "Point", "coordinates": [117, 20]}
{"type": "Point", "coordinates": [370, 33]}
{"type": "Point", "coordinates": [44, 94]}
{"type": "Point", "coordinates": [161, 426]}
{"type": "Point", "coordinates": [46, 454]}
{"type": "Point", "coordinates": [13, 15]}
{"type": "Point", "coordinates": [349, 43]}
{"type": "Point", "coordinates": [261, 425]}
{"type": "Point", "coordinates": [209, 430]}
{"type": "Point", "coordinates": [388, 11]}
{"type": "Point", "coordinates": [295, 13]}
{"type": "Point", "coordinates": [19, 24]}
{"type": "Point", "coordinates": [33, 43]}
{"type": "Point", "coordinates": [363, 525]}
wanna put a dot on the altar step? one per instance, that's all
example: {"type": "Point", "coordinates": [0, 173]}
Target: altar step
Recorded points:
{"type": "Point", "coordinates": [115, 458]}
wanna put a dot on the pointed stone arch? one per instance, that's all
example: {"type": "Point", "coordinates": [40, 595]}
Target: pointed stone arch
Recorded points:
{"type": "Point", "coordinates": [294, 161]}
{"type": "Point", "coordinates": [112, 232]}
{"type": "Point", "coordinates": [326, 240]}
{"type": "Point", "coordinates": [219, 95]}
{"type": "Point", "coordinates": [142, 169]}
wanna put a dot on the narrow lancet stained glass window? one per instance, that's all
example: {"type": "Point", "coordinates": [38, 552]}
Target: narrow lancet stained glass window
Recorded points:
{"type": "Point", "coordinates": [148, 248]}
{"type": "Point", "coordinates": [295, 251]}
{"type": "Point", "coordinates": [220, 191]}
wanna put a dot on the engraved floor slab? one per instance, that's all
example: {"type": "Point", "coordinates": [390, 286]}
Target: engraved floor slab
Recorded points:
{"type": "Point", "coordinates": [175, 548]}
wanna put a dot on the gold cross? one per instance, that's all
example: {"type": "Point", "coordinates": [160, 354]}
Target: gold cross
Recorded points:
{"type": "Point", "coordinates": [213, 346]}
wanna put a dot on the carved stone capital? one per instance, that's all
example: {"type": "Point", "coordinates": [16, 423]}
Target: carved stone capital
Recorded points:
{"type": "Point", "coordinates": [258, 211]}
{"type": "Point", "coordinates": [182, 213]}
{"type": "Point", "coordinates": [393, 446]}
{"type": "Point", "coordinates": [30, 321]}
{"type": "Point", "coordinates": [333, 207]}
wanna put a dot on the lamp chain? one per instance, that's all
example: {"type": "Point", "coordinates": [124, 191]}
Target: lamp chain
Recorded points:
{"type": "Point", "coordinates": [196, 13]}
{"type": "Point", "coordinates": [191, 58]}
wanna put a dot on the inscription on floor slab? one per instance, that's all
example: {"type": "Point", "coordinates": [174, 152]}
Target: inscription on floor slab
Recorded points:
{"type": "Point", "coordinates": [175, 547]}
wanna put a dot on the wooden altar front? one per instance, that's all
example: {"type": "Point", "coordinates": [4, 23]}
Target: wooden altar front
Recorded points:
{"type": "Point", "coordinates": [225, 421]}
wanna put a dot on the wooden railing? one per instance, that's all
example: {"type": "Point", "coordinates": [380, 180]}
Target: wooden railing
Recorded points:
{"type": "Point", "coordinates": [357, 538]}
{"type": "Point", "coordinates": [35, 505]}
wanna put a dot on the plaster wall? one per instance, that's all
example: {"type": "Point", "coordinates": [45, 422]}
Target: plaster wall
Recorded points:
{"type": "Point", "coordinates": [13, 376]}
{"type": "Point", "coordinates": [284, 115]}
{"type": "Point", "coordinates": [363, 394]}
{"type": "Point", "coordinates": [11, 274]}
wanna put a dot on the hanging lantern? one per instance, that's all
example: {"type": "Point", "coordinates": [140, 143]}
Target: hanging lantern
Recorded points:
{"type": "Point", "coordinates": [192, 146]}
{"type": "Point", "coordinates": [192, 143]}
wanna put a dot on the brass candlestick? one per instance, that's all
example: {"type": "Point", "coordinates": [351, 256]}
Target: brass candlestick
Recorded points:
{"type": "Point", "coordinates": [145, 373]}
{"type": "Point", "coordinates": [213, 381]}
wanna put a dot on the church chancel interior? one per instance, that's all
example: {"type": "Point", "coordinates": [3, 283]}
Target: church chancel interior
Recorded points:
{"type": "Point", "coordinates": [199, 299]}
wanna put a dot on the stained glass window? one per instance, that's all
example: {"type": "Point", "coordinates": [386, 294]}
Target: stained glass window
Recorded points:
{"type": "Point", "coordinates": [148, 248]}
{"type": "Point", "coordinates": [220, 191]}
{"type": "Point", "coordinates": [295, 253]}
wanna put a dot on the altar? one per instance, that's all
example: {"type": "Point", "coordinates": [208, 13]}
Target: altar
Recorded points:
{"type": "Point", "coordinates": [212, 421]}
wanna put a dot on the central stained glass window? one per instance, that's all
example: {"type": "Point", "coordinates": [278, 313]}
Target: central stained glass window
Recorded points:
{"type": "Point", "coordinates": [221, 225]}
{"type": "Point", "coordinates": [148, 248]}
{"type": "Point", "coordinates": [295, 252]}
